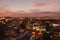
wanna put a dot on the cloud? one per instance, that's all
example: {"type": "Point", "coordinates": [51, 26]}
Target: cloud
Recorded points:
{"type": "Point", "coordinates": [4, 7]}
{"type": "Point", "coordinates": [56, 10]}
{"type": "Point", "coordinates": [34, 13]}
{"type": "Point", "coordinates": [40, 4]}
{"type": "Point", "coordinates": [45, 3]}
{"type": "Point", "coordinates": [21, 12]}
{"type": "Point", "coordinates": [5, 13]}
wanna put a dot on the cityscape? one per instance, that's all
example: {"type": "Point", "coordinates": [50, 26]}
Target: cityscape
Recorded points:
{"type": "Point", "coordinates": [29, 19]}
{"type": "Point", "coordinates": [29, 28]}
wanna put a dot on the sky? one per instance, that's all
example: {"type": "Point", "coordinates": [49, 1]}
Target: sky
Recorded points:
{"type": "Point", "coordinates": [25, 5]}
{"type": "Point", "coordinates": [29, 6]}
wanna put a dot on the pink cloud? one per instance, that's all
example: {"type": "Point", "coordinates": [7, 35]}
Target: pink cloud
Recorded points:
{"type": "Point", "coordinates": [48, 2]}
{"type": "Point", "coordinates": [33, 13]}
{"type": "Point", "coordinates": [40, 4]}
{"type": "Point", "coordinates": [21, 11]}
{"type": "Point", "coordinates": [56, 10]}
